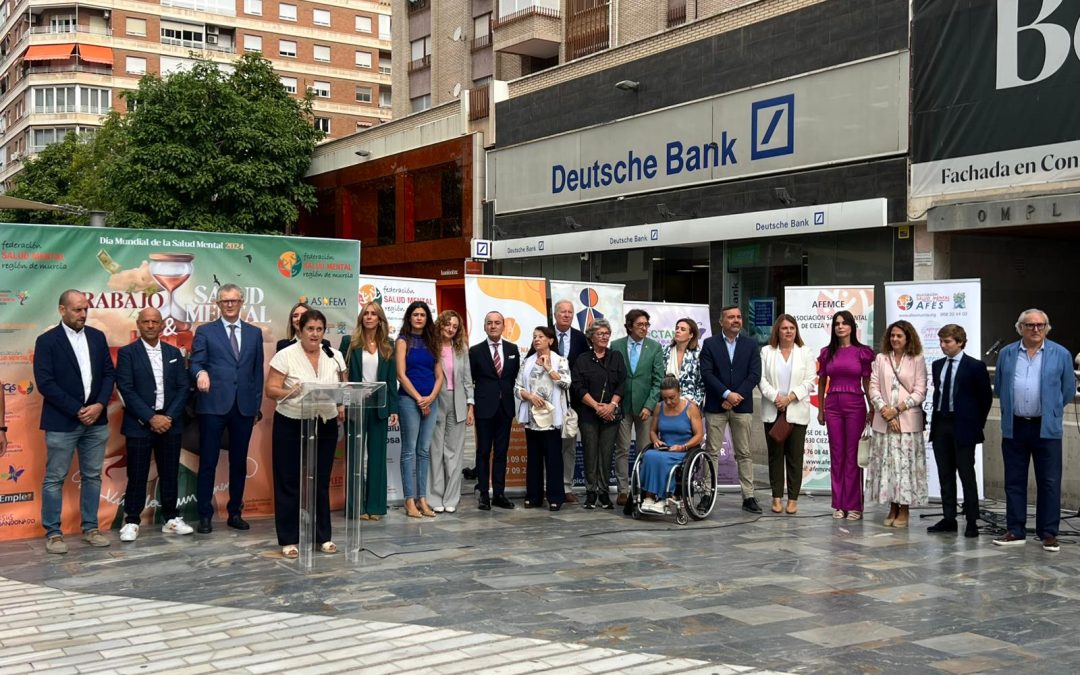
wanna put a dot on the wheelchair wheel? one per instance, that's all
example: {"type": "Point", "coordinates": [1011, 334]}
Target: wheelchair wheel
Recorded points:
{"type": "Point", "coordinates": [698, 484]}
{"type": "Point", "coordinates": [681, 515]}
{"type": "Point", "coordinates": [634, 500]}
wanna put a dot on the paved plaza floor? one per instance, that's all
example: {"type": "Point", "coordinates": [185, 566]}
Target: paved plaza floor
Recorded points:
{"type": "Point", "coordinates": [533, 591]}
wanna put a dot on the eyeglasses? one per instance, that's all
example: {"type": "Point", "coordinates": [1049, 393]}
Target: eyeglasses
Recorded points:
{"type": "Point", "coordinates": [642, 324]}
{"type": "Point", "coordinates": [1034, 326]}
{"type": "Point", "coordinates": [601, 335]}
{"type": "Point", "coordinates": [229, 302]}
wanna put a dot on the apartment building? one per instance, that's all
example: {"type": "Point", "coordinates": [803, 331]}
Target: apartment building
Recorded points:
{"type": "Point", "coordinates": [63, 65]}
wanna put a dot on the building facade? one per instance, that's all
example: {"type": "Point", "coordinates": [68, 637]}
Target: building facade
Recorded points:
{"type": "Point", "coordinates": [64, 65]}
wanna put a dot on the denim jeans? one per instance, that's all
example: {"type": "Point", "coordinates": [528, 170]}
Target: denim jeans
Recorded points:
{"type": "Point", "coordinates": [416, 433]}
{"type": "Point", "coordinates": [61, 446]}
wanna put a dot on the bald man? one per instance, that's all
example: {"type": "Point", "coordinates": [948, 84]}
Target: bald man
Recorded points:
{"type": "Point", "coordinates": [153, 381]}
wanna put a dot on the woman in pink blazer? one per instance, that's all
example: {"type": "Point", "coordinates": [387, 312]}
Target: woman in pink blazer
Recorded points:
{"type": "Point", "coordinates": [896, 473]}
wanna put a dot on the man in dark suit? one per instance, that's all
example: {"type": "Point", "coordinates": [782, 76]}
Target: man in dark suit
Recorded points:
{"type": "Point", "coordinates": [227, 364]}
{"type": "Point", "coordinates": [494, 364]}
{"type": "Point", "coordinates": [731, 368]}
{"type": "Point", "coordinates": [962, 400]}
{"type": "Point", "coordinates": [152, 380]}
{"type": "Point", "coordinates": [74, 374]}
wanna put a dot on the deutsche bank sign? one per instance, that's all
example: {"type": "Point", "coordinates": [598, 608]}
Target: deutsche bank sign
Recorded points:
{"type": "Point", "coordinates": [851, 112]}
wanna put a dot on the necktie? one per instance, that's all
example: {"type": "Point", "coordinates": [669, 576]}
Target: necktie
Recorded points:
{"type": "Point", "coordinates": [562, 344]}
{"type": "Point", "coordinates": [946, 389]}
{"type": "Point", "coordinates": [234, 342]}
{"type": "Point", "coordinates": [498, 359]}
{"type": "Point", "coordinates": [633, 357]}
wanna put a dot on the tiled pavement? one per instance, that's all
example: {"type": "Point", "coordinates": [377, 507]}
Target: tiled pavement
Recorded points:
{"type": "Point", "coordinates": [529, 590]}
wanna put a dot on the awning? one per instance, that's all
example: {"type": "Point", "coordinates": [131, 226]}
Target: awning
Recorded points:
{"type": "Point", "coordinates": [7, 202]}
{"type": "Point", "coordinates": [95, 54]}
{"type": "Point", "coordinates": [49, 52]}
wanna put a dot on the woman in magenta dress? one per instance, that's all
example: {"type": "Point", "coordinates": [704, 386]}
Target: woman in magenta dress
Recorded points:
{"type": "Point", "coordinates": [845, 366]}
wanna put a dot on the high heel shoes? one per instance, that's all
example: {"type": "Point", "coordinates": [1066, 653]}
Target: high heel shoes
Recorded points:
{"type": "Point", "coordinates": [410, 509]}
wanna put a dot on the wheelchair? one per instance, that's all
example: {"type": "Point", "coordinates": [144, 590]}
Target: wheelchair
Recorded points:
{"type": "Point", "coordinates": [691, 484]}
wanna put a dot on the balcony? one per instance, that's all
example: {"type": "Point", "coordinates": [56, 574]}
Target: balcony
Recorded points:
{"type": "Point", "coordinates": [69, 68]}
{"type": "Point", "coordinates": [418, 5]}
{"type": "Point", "coordinates": [534, 30]}
{"type": "Point", "coordinates": [420, 63]}
{"type": "Point", "coordinates": [479, 102]}
{"type": "Point", "coordinates": [587, 31]}
{"type": "Point", "coordinates": [67, 30]}
{"type": "Point", "coordinates": [676, 15]}
{"type": "Point", "coordinates": [481, 42]}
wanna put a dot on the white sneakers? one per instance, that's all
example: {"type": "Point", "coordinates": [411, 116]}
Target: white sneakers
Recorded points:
{"type": "Point", "coordinates": [174, 526]}
{"type": "Point", "coordinates": [650, 505]}
{"type": "Point", "coordinates": [129, 532]}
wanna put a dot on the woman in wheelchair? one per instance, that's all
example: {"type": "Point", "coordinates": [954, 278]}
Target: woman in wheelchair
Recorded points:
{"type": "Point", "coordinates": [676, 427]}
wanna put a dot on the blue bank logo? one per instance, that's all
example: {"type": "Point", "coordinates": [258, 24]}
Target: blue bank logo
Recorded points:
{"type": "Point", "coordinates": [819, 217]}
{"type": "Point", "coordinates": [540, 245]}
{"type": "Point", "coordinates": [772, 127]}
{"type": "Point", "coordinates": [654, 235]}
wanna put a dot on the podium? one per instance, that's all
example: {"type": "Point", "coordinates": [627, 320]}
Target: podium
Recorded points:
{"type": "Point", "coordinates": [317, 401]}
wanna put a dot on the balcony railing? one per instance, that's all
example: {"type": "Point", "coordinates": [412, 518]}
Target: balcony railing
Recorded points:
{"type": "Point", "coordinates": [482, 42]}
{"type": "Point", "coordinates": [200, 46]}
{"type": "Point", "coordinates": [59, 30]}
{"type": "Point", "coordinates": [525, 13]}
{"type": "Point", "coordinates": [70, 109]}
{"type": "Point", "coordinates": [676, 16]}
{"type": "Point", "coordinates": [479, 102]}
{"type": "Point", "coordinates": [385, 70]}
{"type": "Point", "coordinates": [418, 5]}
{"type": "Point", "coordinates": [587, 32]}
{"type": "Point", "coordinates": [421, 63]}
{"type": "Point", "coordinates": [70, 68]}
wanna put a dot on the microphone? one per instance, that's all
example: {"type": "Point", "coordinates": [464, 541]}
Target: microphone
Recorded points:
{"type": "Point", "coordinates": [994, 348]}
{"type": "Point", "coordinates": [329, 352]}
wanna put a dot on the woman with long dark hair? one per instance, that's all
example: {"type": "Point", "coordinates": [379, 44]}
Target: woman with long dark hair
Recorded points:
{"type": "Point", "coordinates": [369, 354]}
{"type": "Point", "coordinates": [844, 408]}
{"type": "Point", "coordinates": [420, 377]}
{"type": "Point", "coordinates": [682, 359]}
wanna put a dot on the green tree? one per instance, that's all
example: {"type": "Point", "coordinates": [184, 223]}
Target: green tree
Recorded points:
{"type": "Point", "coordinates": [210, 150]}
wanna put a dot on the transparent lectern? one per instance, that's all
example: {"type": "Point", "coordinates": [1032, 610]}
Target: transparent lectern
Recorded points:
{"type": "Point", "coordinates": [317, 401]}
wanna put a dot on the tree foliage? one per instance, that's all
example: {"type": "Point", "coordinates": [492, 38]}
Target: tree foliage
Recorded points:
{"type": "Point", "coordinates": [202, 149]}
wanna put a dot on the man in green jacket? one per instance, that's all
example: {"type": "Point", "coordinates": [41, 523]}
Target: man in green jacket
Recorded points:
{"type": "Point", "coordinates": [644, 361]}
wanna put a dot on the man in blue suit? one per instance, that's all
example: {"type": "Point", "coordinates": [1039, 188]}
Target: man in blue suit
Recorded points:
{"type": "Point", "coordinates": [1034, 382]}
{"type": "Point", "coordinates": [962, 400]}
{"type": "Point", "coordinates": [227, 364]}
{"type": "Point", "coordinates": [74, 374]}
{"type": "Point", "coordinates": [153, 382]}
{"type": "Point", "coordinates": [731, 368]}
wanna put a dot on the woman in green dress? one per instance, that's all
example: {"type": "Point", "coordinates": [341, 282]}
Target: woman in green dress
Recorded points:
{"type": "Point", "coordinates": [369, 354]}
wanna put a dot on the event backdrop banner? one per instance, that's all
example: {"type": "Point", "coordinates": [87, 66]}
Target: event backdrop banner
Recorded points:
{"type": "Point", "coordinates": [813, 307]}
{"type": "Point", "coordinates": [929, 305]}
{"type": "Point", "coordinates": [523, 304]}
{"type": "Point", "coordinates": [121, 272]}
{"type": "Point", "coordinates": [592, 301]}
{"type": "Point", "coordinates": [394, 295]}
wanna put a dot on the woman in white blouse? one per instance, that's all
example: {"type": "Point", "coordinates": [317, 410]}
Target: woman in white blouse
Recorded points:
{"type": "Point", "coordinates": [788, 376]}
{"type": "Point", "coordinates": [306, 361]}
{"type": "Point", "coordinates": [541, 390]}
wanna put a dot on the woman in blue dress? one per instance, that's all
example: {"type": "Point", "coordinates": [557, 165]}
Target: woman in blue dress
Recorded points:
{"type": "Point", "coordinates": [676, 427]}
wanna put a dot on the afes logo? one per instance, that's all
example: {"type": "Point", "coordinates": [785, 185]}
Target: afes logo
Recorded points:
{"type": "Point", "coordinates": [289, 264]}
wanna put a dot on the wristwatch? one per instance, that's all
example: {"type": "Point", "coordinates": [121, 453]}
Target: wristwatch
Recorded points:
{"type": "Point", "coordinates": [4, 429]}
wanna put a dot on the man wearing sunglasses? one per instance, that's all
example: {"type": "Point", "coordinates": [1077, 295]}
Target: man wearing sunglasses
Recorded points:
{"type": "Point", "coordinates": [227, 365]}
{"type": "Point", "coordinates": [1035, 381]}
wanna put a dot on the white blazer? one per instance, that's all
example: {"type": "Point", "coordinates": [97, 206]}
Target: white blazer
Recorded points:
{"type": "Point", "coordinates": [803, 383]}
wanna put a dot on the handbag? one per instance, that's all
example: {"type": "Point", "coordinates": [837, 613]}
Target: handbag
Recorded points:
{"type": "Point", "coordinates": [864, 448]}
{"type": "Point", "coordinates": [617, 414]}
{"type": "Point", "coordinates": [570, 421]}
{"type": "Point", "coordinates": [781, 428]}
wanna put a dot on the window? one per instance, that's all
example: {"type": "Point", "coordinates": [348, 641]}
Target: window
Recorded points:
{"type": "Point", "coordinates": [54, 99]}
{"type": "Point", "coordinates": [420, 48]}
{"type": "Point", "coordinates": [43, 137]}
{"type": "Point", "coordinates": [136, 65]}
{"type": "Point", "coordinates": [252, 43]}
{"type": "Point", "coordinates": [287, 12]}
{"type": "Point", "coordinates": [287, 48]}
{"type": "Point", "coordinates": [320, 17]}
{"type": "Point", "coordinates": [363, 59]}
{"type": "Point", "coordinates": [181, 34]}
{"type": "Point", "coordinates": [62, 24]}
{"type": "Point", "coordinates": [94, 100]}
{"type": "Point", "coordinates": [385, 63]}
{"type": "Point", "coordinates": [136, 26]}
{"type": "Point", "coordinates": [363, 24]}
{"type": "Point", "coordinates": [384, 26]}
{"type": "Point", "coordinates": [421, 103]}
{"type": "Point", "coordinates": [384, 98]}
{"type": "Point", "coordinates": [253, 7]}
{"type": "Point", "coordinates": [363, 94]}
{"type": "Point", "coordinates": [323, 124]}
{"type": "Point", "coordinates": [508, 7]}
{"type": "Point", "coordinates": [481, 28]}
{"type": "Point", "coordinates": [289, 83]}
{"type": "Point", "coordinates": [321, 89]}
{"type": "Point", "coordinates": [321, 53]}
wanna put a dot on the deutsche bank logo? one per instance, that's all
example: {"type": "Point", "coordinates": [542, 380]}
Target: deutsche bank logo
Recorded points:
{"type": "Point", "coordinates": [772, 127]}
{"type": "Point", "coordinates": [483, 249]}
{"type": "Point", "coordinates": [540, 246]}
{"type": "Point", "coordinates": [819, 217]}
{"type": "Point", "coordinates": [654, 235]}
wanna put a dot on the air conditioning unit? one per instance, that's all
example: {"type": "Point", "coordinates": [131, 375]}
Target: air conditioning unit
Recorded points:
{"type": "Point", "coordinates": [16, 156]}
{"type": "Point", "coordinates": [106, 14]}
{"type": "Point", "coordinates": [212, 30]}
{"type": "Point", "coordinates": [211, 39]}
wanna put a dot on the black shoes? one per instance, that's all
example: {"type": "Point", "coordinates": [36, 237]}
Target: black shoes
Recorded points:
{"type": "Point", "coordinates": [485, 503]}
{"type": "Point", "coordinates": [204, 526]}
{"type": "Point", "coordinates": [590, 501]}
{"type": "Point", "coordinates": [750, 504]}
{"type": "Point", "coordinates": [237, 523]}
{"type": "Point", "coordinates": [605, 501]}
{"type": "Point", "coordinates": [502, 502]}
{"type": "Point", "coordinates": [943, 525]}
{"type": "Point", "coordinates": [972, 530]}
{"type": "Point", "coordinates": [554, 507]}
